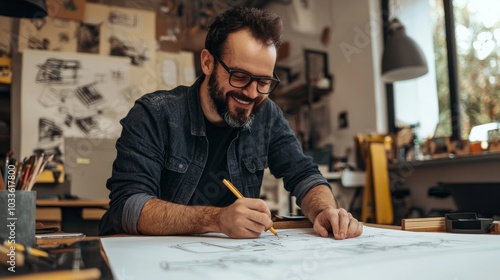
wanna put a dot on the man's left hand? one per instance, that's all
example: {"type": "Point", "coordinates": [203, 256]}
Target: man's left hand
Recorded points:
{"type": "Point", "coordinates": [338, 221]}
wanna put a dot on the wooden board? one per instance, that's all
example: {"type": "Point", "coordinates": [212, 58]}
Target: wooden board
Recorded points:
{"type": "Point", "coordinates": [381, 187]}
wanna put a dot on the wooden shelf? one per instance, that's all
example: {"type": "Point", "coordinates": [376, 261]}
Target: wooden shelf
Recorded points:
{"type": "Point", "coordinates": [291, 97]}
{"type": "Point", "coordinates": [449, 159]}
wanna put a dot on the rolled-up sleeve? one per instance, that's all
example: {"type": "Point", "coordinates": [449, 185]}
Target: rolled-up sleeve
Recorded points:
{"type": "Point", "coordinates": [131, 211]}
{"type": "Point", "coordinates": [137, 168]}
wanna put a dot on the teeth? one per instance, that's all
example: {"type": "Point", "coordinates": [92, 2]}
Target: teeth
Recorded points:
{"type": "Point", "coordinates": [241, 101]}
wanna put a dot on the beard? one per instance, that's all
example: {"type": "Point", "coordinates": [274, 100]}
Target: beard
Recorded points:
{"type": "Point", "coordinates": [237, 118]}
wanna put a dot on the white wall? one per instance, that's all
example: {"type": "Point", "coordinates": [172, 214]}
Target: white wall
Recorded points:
{"type": "Point", "coordinates": [355, 51]}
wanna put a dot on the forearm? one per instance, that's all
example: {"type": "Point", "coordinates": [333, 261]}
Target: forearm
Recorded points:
{"type": "Point", "coordinates": [159, 217]}
{"type": "Point", "coordinates": [316, 200]}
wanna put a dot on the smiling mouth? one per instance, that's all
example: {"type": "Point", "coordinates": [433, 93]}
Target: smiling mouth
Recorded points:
{"type": "Point", "coordinates": [241, 101]}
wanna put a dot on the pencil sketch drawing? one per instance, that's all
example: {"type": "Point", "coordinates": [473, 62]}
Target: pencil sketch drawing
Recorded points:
{"type": "Point", "coordinates": [58, 71]}
{"type": "Point", "coordinates": [73, 95]}
{"type": "Point", "coordinates": [136, 50]}
{"type": "Point", "coordinates": [87, 37]}
{"type": "Point", "coordinates": [53, 34]}
{"type": "Point", "coordinates": [89, 95]}
{"type": "Point", "coordinates": [123, 19]}
{"type": "Point", "coordinates": [298, 254]}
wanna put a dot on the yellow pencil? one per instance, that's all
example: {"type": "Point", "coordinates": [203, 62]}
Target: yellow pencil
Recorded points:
{"type": "Point", "coordinates": [237, 193]}
{"type": "Point", "coordinates": [31, 251]}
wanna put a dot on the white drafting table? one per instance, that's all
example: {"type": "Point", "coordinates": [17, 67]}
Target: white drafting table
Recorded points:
{"type": "Point", "coordinates": [301, 254]}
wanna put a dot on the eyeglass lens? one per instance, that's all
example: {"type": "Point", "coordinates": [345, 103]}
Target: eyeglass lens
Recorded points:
{"type": "Point", "coordinates": [241, 79]}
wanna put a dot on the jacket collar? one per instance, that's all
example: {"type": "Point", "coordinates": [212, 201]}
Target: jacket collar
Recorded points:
{"type": "Point", "coordinates": [196, 116]}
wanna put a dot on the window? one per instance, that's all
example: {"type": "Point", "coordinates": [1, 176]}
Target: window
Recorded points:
{"type": "Point", "coordinates": [440, 102]}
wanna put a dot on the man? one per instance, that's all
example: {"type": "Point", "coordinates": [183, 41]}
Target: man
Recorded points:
{"type": "Point", "coordinates": [176, 146]}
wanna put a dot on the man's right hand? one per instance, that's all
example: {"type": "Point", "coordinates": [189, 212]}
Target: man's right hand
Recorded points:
{"type": "Point", "coordinates": [245, 218]}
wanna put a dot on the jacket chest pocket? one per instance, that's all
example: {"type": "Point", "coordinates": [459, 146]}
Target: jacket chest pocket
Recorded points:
{"type": "Point", "coordinates": [173, 176]}
{"type": "Point", "coordinates": [176, 165]}
{"type": "Point", "coordinates": [253, 172]}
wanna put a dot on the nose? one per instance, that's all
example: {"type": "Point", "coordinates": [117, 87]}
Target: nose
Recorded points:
{"type": "Point", "coordinates": [251, 90]}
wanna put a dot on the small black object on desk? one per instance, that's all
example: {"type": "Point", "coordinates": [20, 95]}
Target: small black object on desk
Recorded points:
{"type": "Point", "coordinates": [467, 223]}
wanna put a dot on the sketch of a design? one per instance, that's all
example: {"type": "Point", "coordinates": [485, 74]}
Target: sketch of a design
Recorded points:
{"type": "Point", "coordinates": [49, 134]}
{"type": "Point", "coordinates": [50, 97]}
{"type": "Point", "coordinates": [222, 263]}
{"type": "Point", "coordinates": [74, 95]}
{"type": "Point", "coordinates": [88, 125]}
{"type": "Point", "coordinates": [35, 43]}
{"type": "Point", "coordinates": [120, 18]}
{"type": "Point", "coordinates": [89, 95]}
{"type": "Point", "coordinates": [297, 254]}
{"type": "Point", "coordinates": [138, 52]}
{"type": "Point", "coordinates": [64, 37]}
{"type": "Point", "coordinates": [87, 37]}
{"type": "Point", "coordinates": [48, 130]}
{"type": "Point", "coordinates": [58, 71]}
{"type": "Point", "coordinates": [253, 245]}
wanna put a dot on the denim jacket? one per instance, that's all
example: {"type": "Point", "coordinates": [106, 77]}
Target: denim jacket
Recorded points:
{"type": "Point", "coordinates": [163, 149]}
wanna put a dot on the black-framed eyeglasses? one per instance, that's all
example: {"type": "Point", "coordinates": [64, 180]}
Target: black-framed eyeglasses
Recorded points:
{"type": "Point", "coordinates": [242, 79]}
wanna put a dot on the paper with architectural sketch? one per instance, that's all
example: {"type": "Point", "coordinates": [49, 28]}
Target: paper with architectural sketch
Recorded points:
{"type": "Point", "coordinates": [301, 254]}
{"type": "Point", "coordinates": [71, 95]}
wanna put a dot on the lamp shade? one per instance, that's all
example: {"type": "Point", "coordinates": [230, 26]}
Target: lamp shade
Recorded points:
{"type": "Point", "coordinates": [23, 8]}
{"type": "Point", "coordinates": [402, 58]}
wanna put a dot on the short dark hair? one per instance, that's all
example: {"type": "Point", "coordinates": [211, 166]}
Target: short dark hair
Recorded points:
{"type": "Point", "coordinates": [265, 26]}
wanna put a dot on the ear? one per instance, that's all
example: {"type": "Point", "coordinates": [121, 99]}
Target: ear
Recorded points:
{"type": "Point", "coordinates": [207, 62]}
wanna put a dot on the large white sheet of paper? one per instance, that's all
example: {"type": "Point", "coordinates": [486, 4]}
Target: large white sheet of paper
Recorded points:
{"type": "Point", "coordinates": [301, 254]}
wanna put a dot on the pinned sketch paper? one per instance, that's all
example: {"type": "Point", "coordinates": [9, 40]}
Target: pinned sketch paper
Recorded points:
{"type": "Point", "coordinates": [7, 35]}
{"type": "Point", "coordinates": [71, 95]}
{"type": "Point", "coordinates": [169, 73]}
{"type": "Point", "coordinates": [129, 33]}
{"type": "Point", "coordinates": [301, 254]}
{"type": "Point", "coordinates": [52, 34]}
{"type": "Point", "coordinates": [175, 69]}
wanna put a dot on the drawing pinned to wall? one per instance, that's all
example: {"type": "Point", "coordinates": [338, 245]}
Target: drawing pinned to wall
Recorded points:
{"type": "Point", "coordinates": [49, 135]}
{"type": "Point", "coordinates": [89, 95]}
{"type": "Point", "coordinates": [136, 50]}
{"type": "Point", "coordinates": [175, 69]}
{"type": "Point", "coordinates": [169, 73]}
{"type": "Point", "coordinates": [6, 35]}
{"type": "Point", "coordinates": [123, 18]}
{"type": "Point", "coordinates": [129, 33]}
{"type": "Point", "coordinates": [87, 37]}
{"type": "Point", "coordinates": [58, 71]}
{"type": "Point", "coordinates": [73, 95]}
{"type": "Point", "coordinates": [47, 33]}
{"type": "Point", "coordinates": [88, 125]}
{"type": "Point", "coordinates": [49, 97]}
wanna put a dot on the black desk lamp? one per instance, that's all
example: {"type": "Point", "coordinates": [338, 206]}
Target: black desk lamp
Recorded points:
{"type": "Point", "coordinates": [402, 58]}
{"type": "Point", "coordinates": [23, 8]}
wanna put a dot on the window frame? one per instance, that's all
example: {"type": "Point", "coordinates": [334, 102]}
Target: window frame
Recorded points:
{"type": "Point", "coordinates": [452, 71]}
